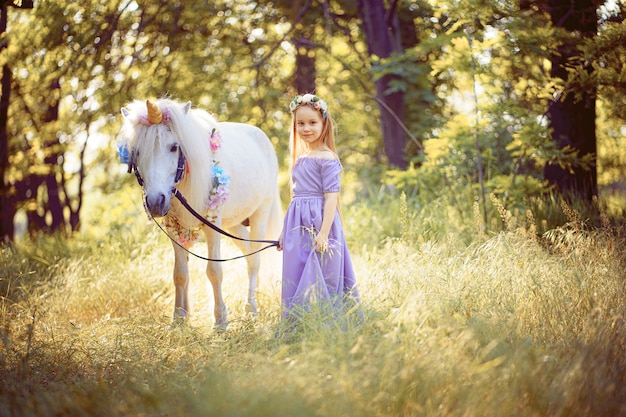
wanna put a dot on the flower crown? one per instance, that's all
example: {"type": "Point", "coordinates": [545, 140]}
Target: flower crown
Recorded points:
{"type": "Point", "coordinates": [314, 101]}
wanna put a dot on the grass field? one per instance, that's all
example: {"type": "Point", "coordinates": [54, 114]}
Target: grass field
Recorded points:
{"type": "Point", "coordinates": [509, 324]}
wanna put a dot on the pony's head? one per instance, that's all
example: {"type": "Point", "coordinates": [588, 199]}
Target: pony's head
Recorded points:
{"type": "Point", "coordinates": [153, 138]}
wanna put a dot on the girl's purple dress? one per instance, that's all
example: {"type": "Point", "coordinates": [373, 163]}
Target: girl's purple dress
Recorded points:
{"type": "Point", "coordinates": [309, 277]}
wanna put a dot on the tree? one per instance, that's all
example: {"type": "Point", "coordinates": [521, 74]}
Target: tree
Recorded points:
{"type": "Point", "coordinates": [303, 22]}
{"type": "Point", "coordinates": [512, 46]}
{"type": "Point", "coordinates": [375, 26]}
{"type": "Point", "coordinates": [7, 209]}
{"type": "Point", "coordinates": [394, 72]}
{"type": "Point", "coordinates": [573, 114]}
{"type": "Point", "coordinates": [99, 55]}
{"type": "Point", "coordinates": [59, 51]}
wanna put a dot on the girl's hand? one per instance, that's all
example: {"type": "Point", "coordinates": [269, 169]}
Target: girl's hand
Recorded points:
{"type": "Point", "coordinates": [321, 242]}
{"type": "Point", "coordinates": [280, 243]}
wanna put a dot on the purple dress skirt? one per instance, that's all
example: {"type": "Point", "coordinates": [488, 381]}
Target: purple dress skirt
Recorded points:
{"type": "Point", "coordinates": [326, 280]}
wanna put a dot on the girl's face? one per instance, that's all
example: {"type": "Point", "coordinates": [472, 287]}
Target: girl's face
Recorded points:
{"type": "Point", "coordinates": [309, 124]}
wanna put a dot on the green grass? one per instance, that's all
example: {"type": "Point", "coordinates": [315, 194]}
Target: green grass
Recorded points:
{"type": "Point", "coordinates": [509, 324]}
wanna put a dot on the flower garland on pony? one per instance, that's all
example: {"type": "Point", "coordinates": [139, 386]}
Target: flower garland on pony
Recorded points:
{"type": "Point", "coordinates": [220, 192]}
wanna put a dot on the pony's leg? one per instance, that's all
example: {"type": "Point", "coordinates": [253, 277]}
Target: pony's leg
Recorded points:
{"type": "Point", "coordinates": [181, 283]}
{"type": "Point", "coordinates": [253, 263]}
{"type": "Point", "coordinates": [215, 275]}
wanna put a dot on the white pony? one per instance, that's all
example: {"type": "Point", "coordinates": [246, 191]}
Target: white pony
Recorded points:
{"type": "Point", "coordinates": [226, 171]}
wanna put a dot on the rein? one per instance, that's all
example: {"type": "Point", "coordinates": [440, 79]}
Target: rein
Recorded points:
{"type": "Point", "coordinates": [204, 258]}
{"type": "Point", "coordinates": [183, 201]}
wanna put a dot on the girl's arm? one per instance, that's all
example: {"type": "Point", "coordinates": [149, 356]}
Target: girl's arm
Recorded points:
{"type": "Point", "coordinates": [331, 201]}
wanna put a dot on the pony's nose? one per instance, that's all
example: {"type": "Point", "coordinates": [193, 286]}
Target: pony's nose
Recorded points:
{"type": "Point", "coordinates": [158, 205]}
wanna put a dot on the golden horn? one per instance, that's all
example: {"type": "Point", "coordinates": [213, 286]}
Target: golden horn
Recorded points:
{"type": "Point", "coordinates": [154, 113]}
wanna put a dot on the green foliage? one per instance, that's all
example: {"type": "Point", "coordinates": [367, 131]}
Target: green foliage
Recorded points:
{"type": "Point", "coordinates": [231, 58]}
{"type": "Point", "coordinates": [505, 128]}
{"type": "Point", "coordinates": [604, 54]}
{"type": "Point", "coordinates": [236, 59]}
{"type": "Point", "coordinates": [411, 76]}
{"type": "Point", "coordinates": [612, 152]}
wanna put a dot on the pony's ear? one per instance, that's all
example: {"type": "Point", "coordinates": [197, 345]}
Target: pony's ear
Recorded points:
{"type": "Point", "coordinates": [187, 107]}
{"type": "Point", "coordinates": [125, 112]}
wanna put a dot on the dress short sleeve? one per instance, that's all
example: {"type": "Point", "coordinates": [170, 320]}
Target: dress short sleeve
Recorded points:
{"type": "Point", "coordinates": [330, 169]}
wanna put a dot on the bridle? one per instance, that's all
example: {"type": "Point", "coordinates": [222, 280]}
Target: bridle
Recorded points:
{"type": "Point", "coordinates": [180, 171]}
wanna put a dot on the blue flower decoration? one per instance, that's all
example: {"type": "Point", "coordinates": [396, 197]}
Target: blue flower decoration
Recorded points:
{"type": "Point", "coordinates": [220, 176]}
{"type": "Point", "coordinates": [220, 193]}
{"type": "Point", "coordinates": [124, 154]}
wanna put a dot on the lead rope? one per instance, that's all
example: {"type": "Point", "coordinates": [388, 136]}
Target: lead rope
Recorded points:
{"type": "Point", "coordinates": [181, 198]}
{"type": "Point", "coordinates": [211, 259]}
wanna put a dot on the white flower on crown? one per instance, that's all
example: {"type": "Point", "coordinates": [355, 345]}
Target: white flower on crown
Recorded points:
{"type": "Point", "coordinates": [295, 103]}
{"type": "Point", "coordinates": [311, 99]}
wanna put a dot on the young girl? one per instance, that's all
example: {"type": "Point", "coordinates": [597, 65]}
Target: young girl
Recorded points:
{"type": "Point", "coordinates": [316, 262]}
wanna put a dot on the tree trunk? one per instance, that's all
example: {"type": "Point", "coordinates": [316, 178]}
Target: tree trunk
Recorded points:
{"type": "Point", "coordinates": [53, 158]}
{"type": "Point", "coordinates": [572, 119]}
{"type": "Point", "coordinates": [7, 204]}
{"type": "Point", "coordinates": [391, 105]}
{"type": "Point", "coordinates": [75, 209]}
{"type": "Point", "coordinates": [303, 18]}
{"type": "Point", "coordinates": [304, 80]}
{"type": "Point", "coordinates": [7, 208]}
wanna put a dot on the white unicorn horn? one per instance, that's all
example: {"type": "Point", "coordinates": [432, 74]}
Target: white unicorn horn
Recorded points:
{"type": "Point", "coordinates": [154, 113]}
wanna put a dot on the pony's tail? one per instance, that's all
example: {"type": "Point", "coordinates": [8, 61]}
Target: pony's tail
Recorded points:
{"type": "Point", "coordinates": [275, 221]}
{"type": "Point", "coordinates": [271, 260]}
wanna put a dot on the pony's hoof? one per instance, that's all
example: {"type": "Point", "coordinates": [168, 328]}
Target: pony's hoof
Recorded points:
{"type": "Point", "coordinates": [221, 328]}
{"type": "Point", "coordinates": [251, 310]}
{"type": "Point", "coordinates": [178, 322]}
{"type": "Point", "coordinates": [179, 318]}
{"type": "Point", "coordinates": [221, 318]}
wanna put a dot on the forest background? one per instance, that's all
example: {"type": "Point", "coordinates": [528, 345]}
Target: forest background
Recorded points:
{"type": "Point", "coordinates": [460, 101]}
{"type": "Point", "coordinates": [483, 201]}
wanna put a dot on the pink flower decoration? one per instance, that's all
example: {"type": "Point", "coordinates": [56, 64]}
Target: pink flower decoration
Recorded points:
{"type": "Point", "coordinates": [215, 140]}
{"type": "Point", "coordinates": [218, 197]}
{"type": "Point", "coordinates": [143, 120]}
{"type": "Point", "coordinates": [167, 116]}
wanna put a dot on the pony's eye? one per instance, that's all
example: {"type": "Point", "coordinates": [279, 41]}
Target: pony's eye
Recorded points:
{"type": "Point", "coordinates": [174, 148]}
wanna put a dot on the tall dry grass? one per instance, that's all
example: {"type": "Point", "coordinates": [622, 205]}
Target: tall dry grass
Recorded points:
{"type": "Point", "coordinates": [510, 324]}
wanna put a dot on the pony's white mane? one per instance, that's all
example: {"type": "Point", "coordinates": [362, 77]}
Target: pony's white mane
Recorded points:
{"type": "Point", "coordinates": [192, 130]}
